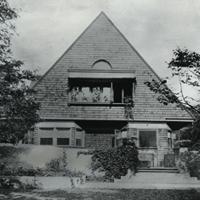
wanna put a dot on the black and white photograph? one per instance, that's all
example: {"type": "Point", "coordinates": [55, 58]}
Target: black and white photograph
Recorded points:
{"type": "Point", "coordinates": [99, 100]}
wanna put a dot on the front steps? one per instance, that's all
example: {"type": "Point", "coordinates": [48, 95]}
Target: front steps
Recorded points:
{"type": "Point", "coordinates": [159, 170]}
{"type": "Point", "coordinates": [150, 180]}
{"type": "Point", "coordinates": [156, 176]}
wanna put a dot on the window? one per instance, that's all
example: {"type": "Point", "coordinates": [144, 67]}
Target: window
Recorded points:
{"type": "Point", "coordinates": [101, 64]}
{"type": "Point", "coordinates": [147, 139]}
{"type": "Point", "coordinates": [78, 143]}
{"type": "Point", "coordinates": [46, 141]}
{"type": "Point", "coordinates": [121, 91]}
{"type": "Point", "coordinates": [62, 141]}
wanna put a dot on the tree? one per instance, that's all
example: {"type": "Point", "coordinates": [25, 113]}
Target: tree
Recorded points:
{"type": "Point", "coordinates": [18, 106]}
{"type": "Point", "coordinates": [185, 67]}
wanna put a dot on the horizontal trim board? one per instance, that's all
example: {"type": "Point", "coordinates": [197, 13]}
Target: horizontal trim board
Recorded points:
{"type": "Point", "coordinates": [80, 70]}
{"type": "Point", "coordinates": [149, 126]}
{"type": "Point", "coordinates": [102, 75]}
{"type": "Point", "coordinates": [99, 119]}
{"type": "Point", "coordinates": [179, 120]}
{"type": "Point", "coordinates": [95, 104]}
{"type": "Point", "coordinates": [66, 124]}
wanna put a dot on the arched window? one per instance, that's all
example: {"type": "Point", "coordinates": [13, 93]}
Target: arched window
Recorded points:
{"type": "Point", "coordinates": [101, 64]}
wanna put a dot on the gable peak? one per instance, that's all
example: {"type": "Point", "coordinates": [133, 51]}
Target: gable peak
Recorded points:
{"type": "Point", "coordinates": [102, 15]}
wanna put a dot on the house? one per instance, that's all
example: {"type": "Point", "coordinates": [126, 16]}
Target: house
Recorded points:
{"type": "Point", "coordinates": [94, 96]}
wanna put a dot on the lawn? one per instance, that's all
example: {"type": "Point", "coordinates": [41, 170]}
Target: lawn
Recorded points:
{"type": "Point", "coordinates": [92, 194]}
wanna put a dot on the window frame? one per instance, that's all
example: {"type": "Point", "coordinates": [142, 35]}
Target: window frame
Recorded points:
{"type": "Point", "coordinates": [81, 143]}
{"type": "Point", "coordinates": [148, 130]}
{"type": "Point", "coordinates": [62, 139]}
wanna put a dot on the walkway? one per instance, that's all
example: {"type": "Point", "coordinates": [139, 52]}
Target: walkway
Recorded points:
{"type": "Point", "coordinates": [143, 180]}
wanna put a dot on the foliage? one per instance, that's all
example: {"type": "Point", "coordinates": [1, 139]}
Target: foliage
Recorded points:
{"type": "Point", "coordinates": [7, 151]}
{"type": "Point", "coordinates": [57, 165]}
{"type": "Point", "coordinates": [185, 67]}
{"type": "Point", "coordinates": [190, 136]}
{"type": "Point", "coordinates": [129, 104]}
{"type": "Point", "coordinates": [187, 161]}
{"type": "Point", "coordinates": [15, 183]}
{"type": "Point", "coordinates": [183, 143]}
{"type": "Point", "coordinates": [194, 168]}
{"type": "Point", "coordinates": [18, 108]}
{"type": "Point", "coordinates": [54, 165]}
{"type": "Point", "coordinates": [115, 162]}
{"type": "Point", "coordinates": [165, 95]}
{"type": "Point", "coordinates": [125, 194]}
{"type": "Point", "coordinates": [7, 14]}
{"type": "Point", "coordinates": [12, 165]}
{"type": "Point", "coordinates": [64, 158]}
{"type": "Point", "coordinates": [10, 183]}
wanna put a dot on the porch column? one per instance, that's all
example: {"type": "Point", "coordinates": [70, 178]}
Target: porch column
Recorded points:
{"type": "Point", "coordinates": [134, 88]}
{"type": "Point", "coordinates": [111, 92]}
{"type": "Point", "coordinates": [122, 95]}
{"type": "Point", "coordinates": [73, 140]}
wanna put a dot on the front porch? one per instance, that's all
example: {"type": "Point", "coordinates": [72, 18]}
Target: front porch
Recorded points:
{"type": "Point", "coordinates": [154, 140]}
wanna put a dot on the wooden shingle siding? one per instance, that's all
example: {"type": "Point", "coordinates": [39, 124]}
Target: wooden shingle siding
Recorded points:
{"type": "Point", "coordinates": [101, 40]}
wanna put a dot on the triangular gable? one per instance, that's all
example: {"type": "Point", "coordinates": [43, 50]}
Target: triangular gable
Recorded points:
{"type": "Point", "coordinates": [102, 41]}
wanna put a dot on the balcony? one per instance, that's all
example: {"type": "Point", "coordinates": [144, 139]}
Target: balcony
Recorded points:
{"type": "Point", "coordinates": [101, 92]}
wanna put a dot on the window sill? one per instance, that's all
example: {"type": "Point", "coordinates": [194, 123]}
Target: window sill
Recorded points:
{"type": "Point", "coordinates": [95, 104]}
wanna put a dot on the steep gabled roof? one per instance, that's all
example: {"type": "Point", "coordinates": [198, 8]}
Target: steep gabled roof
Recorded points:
{"type": "Point", "coordinates": [102, 41]}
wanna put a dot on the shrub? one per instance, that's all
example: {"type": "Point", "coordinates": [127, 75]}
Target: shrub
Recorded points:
{"type": "Point", "coordinates": [183, 143]}
{"type": "Point", "coordinates": [15, 183]}
{"type": "Point", "coordinates": [115, 162]}
{"type": "Point", "coordinates": [54, 165]}
{"type": "Point", "coordinates": [10, 183]}
{"type": "Point", "coordinates": [188, 161]}
{"type": "Point", "coordinates": [7, 151]}
{"type": "Point", "coordinates": [195, 147]}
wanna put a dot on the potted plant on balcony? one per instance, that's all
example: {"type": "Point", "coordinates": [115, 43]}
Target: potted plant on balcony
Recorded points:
{"type": "Point", "coordinates": [129, 104]}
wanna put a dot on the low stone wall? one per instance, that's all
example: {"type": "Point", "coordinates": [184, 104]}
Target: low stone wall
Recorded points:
{"type": "Point", "coordinates": [53, 183]}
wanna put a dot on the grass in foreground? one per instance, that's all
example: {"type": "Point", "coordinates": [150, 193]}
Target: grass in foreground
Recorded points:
{"type": "Point", "coordinates": [92, 194]}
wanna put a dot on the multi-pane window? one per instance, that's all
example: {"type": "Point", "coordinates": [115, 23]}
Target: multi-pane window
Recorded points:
{"type": "Point", "coordinates": [62, 141]}
{"type": "Point", "coordinates": [78, 142]}
{"type": "Point", "coordinates": [147, 138]}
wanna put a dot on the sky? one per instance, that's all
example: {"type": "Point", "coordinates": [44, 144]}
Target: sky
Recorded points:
{"type": "Point", "coordinates": [154, 27]}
